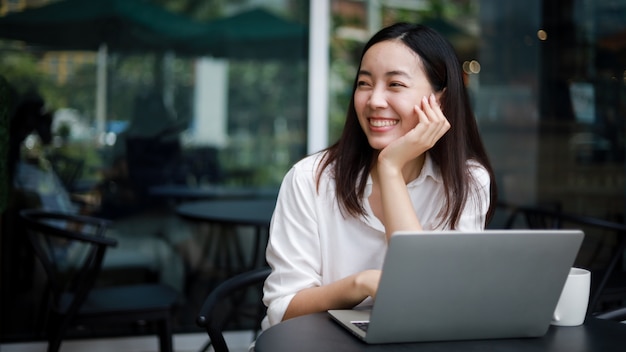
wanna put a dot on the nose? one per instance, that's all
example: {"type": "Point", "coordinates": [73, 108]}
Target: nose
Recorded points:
{"type": "Point", "coordinates": [377, 99]}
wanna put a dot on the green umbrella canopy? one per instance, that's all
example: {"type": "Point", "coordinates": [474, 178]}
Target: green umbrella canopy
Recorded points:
{"type": "Point", "coordinates": [123, 25]}
{"type": "Point", "coordinates": [138, 26]}
{"type": "Point", "coordinates": [253, 34]}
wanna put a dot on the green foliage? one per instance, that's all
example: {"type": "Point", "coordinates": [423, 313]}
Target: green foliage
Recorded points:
{"type": "Point", "coordinates": [266, 119]}
{"type": "Point", "coordinates": [85, 151]}
{"type": "Point", "coordinates": [22, 72]}
{"type": "Point", "coordinates": [79, 92]}
{"type": "Point", "coordinates": [64, 131]}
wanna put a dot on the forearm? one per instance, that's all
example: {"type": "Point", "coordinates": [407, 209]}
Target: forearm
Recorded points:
{"type": "Point", "coordinates": [342, 294]}
{"type": "Point", "coordinates": [398, 211]}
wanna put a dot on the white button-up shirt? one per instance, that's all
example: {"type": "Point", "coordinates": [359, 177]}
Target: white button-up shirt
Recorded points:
{"type": "Point", "coordinates": [312, 244]}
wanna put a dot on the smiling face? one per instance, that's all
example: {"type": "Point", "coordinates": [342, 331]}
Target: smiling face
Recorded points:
{"type": "Point", "coordinates": [390, 83]}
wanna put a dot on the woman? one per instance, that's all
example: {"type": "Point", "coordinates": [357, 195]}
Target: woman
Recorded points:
{"type": "Point", "coordinates": [410, 158]}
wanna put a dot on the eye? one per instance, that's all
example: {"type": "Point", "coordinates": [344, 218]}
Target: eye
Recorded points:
{"type": "Point", "coordinates": [362, 84]}
{"type": "Point", "coordinates": [397, 84]}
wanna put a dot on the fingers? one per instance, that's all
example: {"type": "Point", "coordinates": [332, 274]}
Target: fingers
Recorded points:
{"type": "Point", "coordinates": [432, 110]}
{"type": "Point", "coordinates": [432, 122]}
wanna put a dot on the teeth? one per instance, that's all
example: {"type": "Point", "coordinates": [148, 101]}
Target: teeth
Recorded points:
{"type": "Point", "coordinates": [383, 123]}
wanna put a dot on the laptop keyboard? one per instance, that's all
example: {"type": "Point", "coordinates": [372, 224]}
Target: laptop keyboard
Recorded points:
{"type": "Point", "coordinates": [361, 324]}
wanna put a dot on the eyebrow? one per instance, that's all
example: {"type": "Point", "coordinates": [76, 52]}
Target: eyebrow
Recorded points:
{"type": "Point", "coordinates": [387, 74]}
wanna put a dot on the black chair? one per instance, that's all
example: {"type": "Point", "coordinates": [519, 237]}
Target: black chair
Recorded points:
{"type": "Point", "coordinates": [202, 164]}
{"type": "Point", "coordinates": [608, 293]}
{"type": "Point", "coordinates": [618, 314]}
{"type": "Point", "coordinates": [68, 169]}
{"type": "Point", "coordinates": [71, 249]}
{"type": "Point", "coordinates": [153, 161]}
{"type": "Point", "coordinates": [227, 300]}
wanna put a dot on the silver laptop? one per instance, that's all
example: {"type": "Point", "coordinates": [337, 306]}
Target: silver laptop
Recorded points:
{"type": "Point", "coordinates": [442, 286]}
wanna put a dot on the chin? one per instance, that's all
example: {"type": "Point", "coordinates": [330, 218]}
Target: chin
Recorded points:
{"type": "Point", "coordinates": [378, 145]}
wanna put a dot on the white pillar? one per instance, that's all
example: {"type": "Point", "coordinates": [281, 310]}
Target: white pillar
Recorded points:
{"type": "Point", "coordinates": [319, 38]}
{"type": "Point", "coordinates": [209, 125]}
{"type": "Point", "coordinates": [374, 20]}
{"type": "Point", "coordinates": [101, 90]}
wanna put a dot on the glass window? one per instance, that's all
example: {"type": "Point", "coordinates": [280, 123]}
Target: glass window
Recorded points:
{"type": "Point", "coordinates": [547, 84]}
{"type": "Point", "coordinates": [204, 110]}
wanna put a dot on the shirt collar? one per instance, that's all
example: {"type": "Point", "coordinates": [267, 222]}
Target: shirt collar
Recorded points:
{"type": "Point", "coordinates": [429, 169]}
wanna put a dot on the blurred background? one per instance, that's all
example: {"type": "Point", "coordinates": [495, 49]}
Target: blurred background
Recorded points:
{"type": "Point", "coordinates": [201, 93]}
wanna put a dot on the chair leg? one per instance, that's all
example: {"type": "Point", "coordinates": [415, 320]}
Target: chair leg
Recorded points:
{"type": "Point", "coordinates": [165, 336]}
{"type": "Point", "coordinates": [55, 331]}
{"type": "Point", "coordinates": [54, 343]}
{"type": "Point", "coordinates": [205, 347]}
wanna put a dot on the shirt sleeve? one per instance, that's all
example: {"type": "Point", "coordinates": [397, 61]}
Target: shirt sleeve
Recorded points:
{"type": "Point", "coordinates": [474, 212]}
{"type": "Point", "coordinates": [293, 250]}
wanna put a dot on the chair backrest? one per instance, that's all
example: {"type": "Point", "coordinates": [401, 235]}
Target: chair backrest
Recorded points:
{"type": "Point", "coordinates": [71, 250]}
{"type": "Point", "coordinates": [152, 161]}
{"type": "Point", "coordinates": [68, 169]}
{"type": "Point", "coordinates": [213, 320]}
{"type": "Point", "coordinates": [603, 248]}
{"type": "Point", "coordinates": [202, 164]}
{"type": "Point", "coordinates": [539, 217]}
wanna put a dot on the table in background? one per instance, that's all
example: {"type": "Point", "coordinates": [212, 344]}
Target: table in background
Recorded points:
{"type": "Point", "coordinates": [252, 212]}
{"type": "Point", "coordinates": [179, 193]}
{"type": "Point", "coordinates": [317, 332]}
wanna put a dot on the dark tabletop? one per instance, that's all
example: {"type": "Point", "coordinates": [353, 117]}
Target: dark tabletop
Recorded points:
{"type": "Point", "coordinates": [185, 192]}
{"type": "Point", "coordinates": [317, 332]}
{"type": "Point", "coordinates": [253, 212]}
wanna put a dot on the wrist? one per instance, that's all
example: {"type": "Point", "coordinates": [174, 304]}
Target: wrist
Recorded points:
{"type": "Point", "coordinates": [363, 285]}
{"type": "Point", "coordinates": [387, 169]}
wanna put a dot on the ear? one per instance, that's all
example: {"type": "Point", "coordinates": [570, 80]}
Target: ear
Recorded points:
{"type": "Point", "coordinates": [440, 96]}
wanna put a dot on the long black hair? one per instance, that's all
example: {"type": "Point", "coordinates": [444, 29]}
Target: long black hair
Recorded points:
{"type": "Point", "coordinates": [351, 157]}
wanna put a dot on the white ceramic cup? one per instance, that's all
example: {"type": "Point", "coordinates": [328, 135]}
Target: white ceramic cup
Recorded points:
{"type": "Point", "coordinates": [572, 306]}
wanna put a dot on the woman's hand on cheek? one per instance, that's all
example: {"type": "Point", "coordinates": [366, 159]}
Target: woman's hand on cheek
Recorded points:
{"type": "Point", "coordinates": [431, 126]}
{"type": "Point", "coordinates": [432, 123]}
